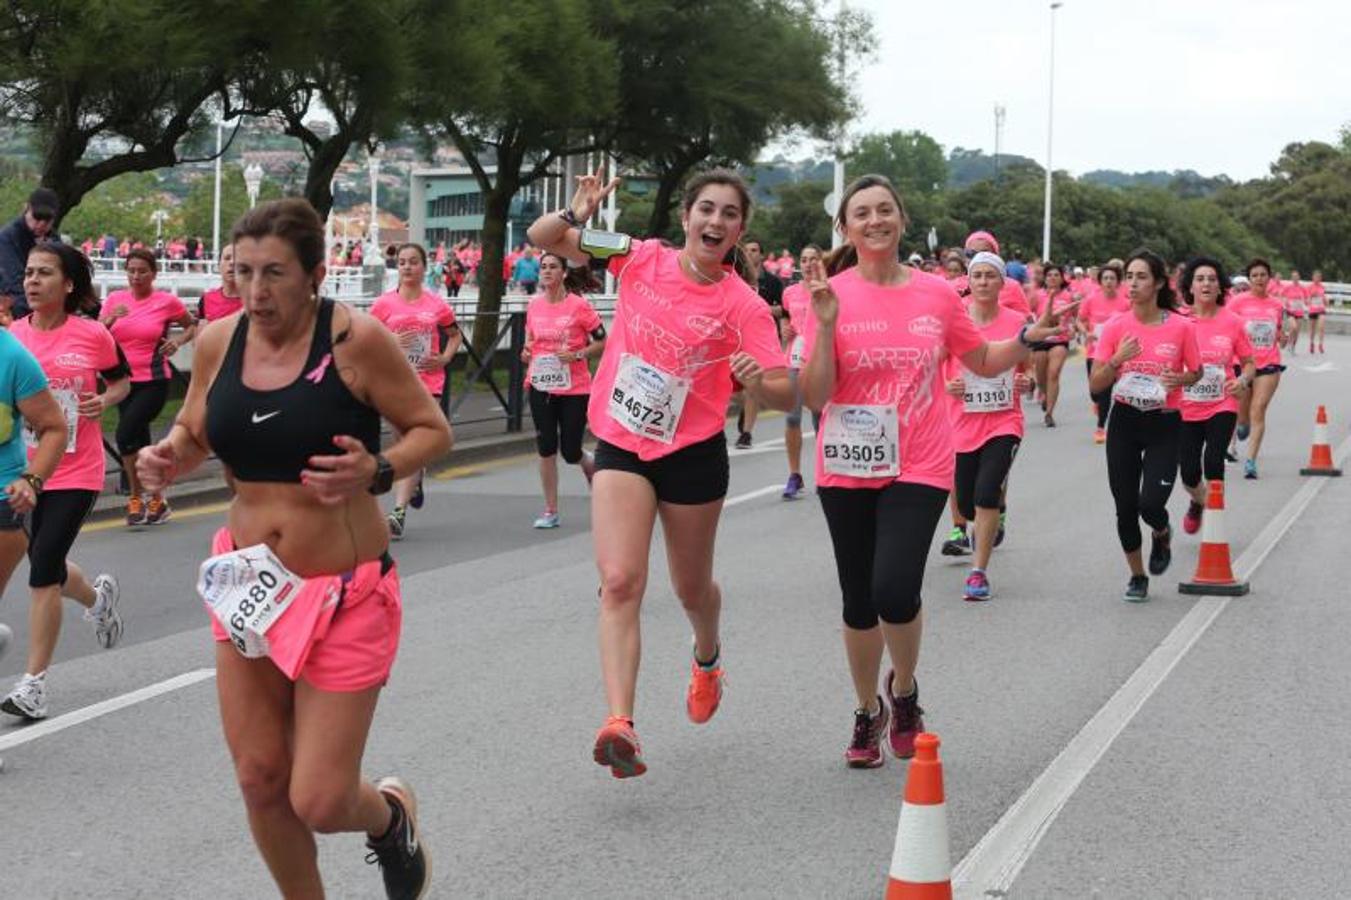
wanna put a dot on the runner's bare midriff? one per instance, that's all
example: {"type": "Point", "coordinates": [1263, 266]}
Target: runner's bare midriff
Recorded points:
{"type": "Point", "coordinates": [308, 537]}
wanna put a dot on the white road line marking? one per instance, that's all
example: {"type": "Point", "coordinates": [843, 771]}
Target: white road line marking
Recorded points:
{"type": "Point", "coordinates": [751, 495]}
{"type": "Point", "coordinates": [772, 446]}
{"type": "Point", "coordinates": [991, 867]}
{"type": "Point", "coordinates": [24, 734]}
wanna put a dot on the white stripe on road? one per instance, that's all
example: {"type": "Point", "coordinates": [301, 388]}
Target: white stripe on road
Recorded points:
{"type": "Point", "coordinates": [28, 733]}
{"type": "Point", "coordinates": [991, 866]}
{"type": "Point", "coordinates": [751, 495]}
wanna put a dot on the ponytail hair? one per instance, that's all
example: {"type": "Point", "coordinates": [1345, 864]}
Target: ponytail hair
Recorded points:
{"type": "Point", "coordinates": [1159, 272]}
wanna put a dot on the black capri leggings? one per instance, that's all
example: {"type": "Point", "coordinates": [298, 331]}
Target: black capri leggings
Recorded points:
{"type": "Point", "coordinates": [54, 524]}
{"type": "Point", "coordinates": [982, 473]}
{"type": "Point", "coordinates": [881, 540]}
{"type": "Point", "coordinates": [1141, 469]}
{"type": "Point", "coordinates": [1102, 402]}
{"type": "Point", "coordinates": [559, 419]}
{"type": "Point", "coordinates": [1213, 435]}
{"type": "Point", "coordinates": [136, 412]}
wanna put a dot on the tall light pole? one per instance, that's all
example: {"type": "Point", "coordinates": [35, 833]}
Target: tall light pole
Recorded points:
{"type": "Point", "coordinates": [835, 237]}
{"type": "Point", "coordinates": [253, 182]}
{"type": "Point", "coordinates": [159, 217]}
{"type": "Point", "coordinates": [999, 113]}
{"type": "Point", "coordinates": [1050, 126]}
{"type": "Point", "coordinates": [373, 164]}
{"type": "Point", "coordinates": [215, 211]}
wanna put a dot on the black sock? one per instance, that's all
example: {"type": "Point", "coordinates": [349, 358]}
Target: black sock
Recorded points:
{"type": "Point", "coordinates": [712, 662]}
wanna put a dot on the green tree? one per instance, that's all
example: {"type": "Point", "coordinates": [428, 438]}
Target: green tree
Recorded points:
{"type": "Point", "coordinates": [797, 219]}
{"type": "Point", "coordinates": [911, 159]}
{"type": "Point", "coordinates": [555, 93]}
{"type": "Point", "coordinates": [710, 81]}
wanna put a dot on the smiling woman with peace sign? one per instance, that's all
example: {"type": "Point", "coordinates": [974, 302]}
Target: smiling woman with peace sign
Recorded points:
{"type": "Point", "coordinates": [884, 451]}
{"type": "Point", "coordinates": [684, 328]}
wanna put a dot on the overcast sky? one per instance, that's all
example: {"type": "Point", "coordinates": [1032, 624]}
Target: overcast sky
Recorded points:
{"type": "Point", "coordinates": [1219, 87]}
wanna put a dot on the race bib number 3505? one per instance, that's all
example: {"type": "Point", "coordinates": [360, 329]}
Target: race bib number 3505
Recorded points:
{"type": "Point", "coordinates": [861, 441]}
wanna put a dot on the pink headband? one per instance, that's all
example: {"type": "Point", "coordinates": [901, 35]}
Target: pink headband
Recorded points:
{"type": "Point", "coordinates": [981, 235]}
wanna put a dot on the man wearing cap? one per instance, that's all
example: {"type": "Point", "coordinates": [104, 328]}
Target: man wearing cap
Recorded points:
{"type": "Point", "coordinates": [16, 239]}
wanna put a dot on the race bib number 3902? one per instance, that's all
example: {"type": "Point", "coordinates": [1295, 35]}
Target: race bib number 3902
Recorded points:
{"type": "Point", "coordinates": [1209, 389]}
{"type": "Point", "coordinates": [647, 400]}
{"type": "Point", "coordinates": [861, 441]}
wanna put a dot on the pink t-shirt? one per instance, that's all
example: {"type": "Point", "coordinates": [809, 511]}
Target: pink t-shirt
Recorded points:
{"type": "Point", "coordinates": [971, 430]}
{"type": "Point", "coordinates": [1011, 296]}
{"type": "Point", "coordinates": [1063, 298]}
{"type": "Point", "coordinates": [1262, 317]}
{"type": "Point", "coordinates": [666, 371]}
{"type": "Point", "coordinates": [416, 325]}
{"type": "Point", "coordinates": [72, 357]}
{"type": "Point", "coordinates": [798, 304]}
{"type": "Point", "coordinates": [1223, 342]}
{"type": "Point", "coordinates": [889, 349]}
{"type": "Point", "coordinates": [562, 327]}
{"type": "Point", "coordinates": [1295, 298]}
{"type": "Point", "coordinates": [215, 305]}
{"type": "Point", "coordinates": [1099, 309]}
{"type": "Point", "coordinates": [1169, 346]}
{"type": "Point", "coordinates": [1318, 300]}
{"type": "Point", "coordinates": [141, 331]}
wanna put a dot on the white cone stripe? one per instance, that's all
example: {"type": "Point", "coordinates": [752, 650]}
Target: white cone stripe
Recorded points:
{"type": "Point", "coordinates": [1320, 434]}
{"type": "Point", "coordinates": [1212, 527]}
{"type": "Point", "coordinates": [921, 855]}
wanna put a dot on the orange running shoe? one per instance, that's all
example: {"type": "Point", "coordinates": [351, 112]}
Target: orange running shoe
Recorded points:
{"type": "Point", "coordinates": [705, 693]}
{"type": "Point", "coordinates": [617, 747]}
{"type": "Point", "coordinates": [135, 510]}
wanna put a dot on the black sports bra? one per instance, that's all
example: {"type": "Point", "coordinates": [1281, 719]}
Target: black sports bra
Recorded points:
{"type": "Point", "coordinates": [271, 435]}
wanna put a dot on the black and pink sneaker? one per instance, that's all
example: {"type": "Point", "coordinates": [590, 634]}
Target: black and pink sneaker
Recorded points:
{"type": "Point", "coordinates": [865, 747]}
{"type": "Point", "coordinates": [907, 720]}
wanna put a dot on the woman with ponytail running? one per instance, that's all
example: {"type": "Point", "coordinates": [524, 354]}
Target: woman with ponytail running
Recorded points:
{"type": "Point", "coordinates": [1264, 321]}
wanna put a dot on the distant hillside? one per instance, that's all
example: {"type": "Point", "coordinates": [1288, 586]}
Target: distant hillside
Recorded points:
{"type": "Point", "coordinates": [966, 167]}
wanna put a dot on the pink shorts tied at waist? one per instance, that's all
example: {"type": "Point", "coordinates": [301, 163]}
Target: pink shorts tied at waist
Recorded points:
{"type": "Point", "coordinates": [350, 645]}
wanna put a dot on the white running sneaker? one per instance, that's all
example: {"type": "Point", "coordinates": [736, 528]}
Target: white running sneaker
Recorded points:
{"type": "Point", "coordinates": [107, 620]}
{"type": "Point", "coordinates": [28, 700]}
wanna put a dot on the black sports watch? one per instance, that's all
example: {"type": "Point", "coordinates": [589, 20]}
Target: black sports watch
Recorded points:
{"type": "Point", "coordinates": [384, 475]}
{"type": "Point", "coordinates": [35, 481]}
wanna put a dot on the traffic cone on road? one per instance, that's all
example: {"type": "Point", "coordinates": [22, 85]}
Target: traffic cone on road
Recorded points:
{"type": "Point", "coordinates": [920, 866]}
{"type": "Point", "coordinates": [1320, 458]}
{"type": "Point", "coordinates": [1214, 571]}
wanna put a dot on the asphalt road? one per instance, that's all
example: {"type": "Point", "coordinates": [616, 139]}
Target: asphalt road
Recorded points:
{"type": "Point", "coordinates": [1227, 782]}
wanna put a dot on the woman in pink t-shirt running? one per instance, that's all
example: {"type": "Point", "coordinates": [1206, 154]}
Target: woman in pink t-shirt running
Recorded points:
{"type": "Point", "coordinates": [1318, 307]}
{"type": "Point", "coordinates": [562, 332]}
{"type": "Point", "coordinates": [1145, 357]}
{"type": "Point", "coordinates": [884, 452]}
{"type": "Point", "coordinates": [684, 329]}
{"type": "Point", "coordinates": [1265, 322]}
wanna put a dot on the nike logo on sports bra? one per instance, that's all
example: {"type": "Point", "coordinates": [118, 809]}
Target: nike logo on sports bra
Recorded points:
{"type": "Point", "coordinates": [263, 418]}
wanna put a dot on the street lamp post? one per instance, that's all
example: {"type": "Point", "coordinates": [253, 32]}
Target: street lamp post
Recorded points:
{"type": "Point", "coordinates": [373, 162]}
{"type": "Point", "coordinates": [1050, 124]}
{"type": "Point", "coordinates": [253, 182]}
{"type": "Point", "coordinates": [215, 203]}
{"type": "Point", "coordinates": [159, 217]}
{"type": "Point", "coordinates": [836, 239]}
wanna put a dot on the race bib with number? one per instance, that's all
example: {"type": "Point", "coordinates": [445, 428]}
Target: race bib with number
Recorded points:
{"type": "Point", "coordinates": [987, 395]}
{"type": "Point", "coordinates": [861, 441]}
{"type": "Point", "coordinates": [647, 400]}
{"type": "Point", "coordinates": [797, 352]}
{"type": "Point", "coordinates": [549, 373]}
{"type": "Point", "coordinates": [417, 346]}
{"type": "Point", "coordinates": [247, 591]}
{"type": "Point", "coordinates": [1144, 392]}
{"type": "Point", "coordinates": [1261, 332]}
{"type": "Point", "coordinates": [69, 402]}
{"type": "Point", "coordinates": [1097, 331]}
{"type": "Point", "coordinates": [1210, 389]}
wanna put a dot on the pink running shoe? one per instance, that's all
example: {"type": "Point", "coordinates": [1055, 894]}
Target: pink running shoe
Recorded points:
{"type": "Point", "coordinates": [1191, 522]}
{"type": "Point", "coordinates": [865, 747]}
{"type": "Point", "coordinates": [907, 720]}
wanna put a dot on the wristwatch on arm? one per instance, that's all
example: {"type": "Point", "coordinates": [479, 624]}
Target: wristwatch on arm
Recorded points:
{"type": "Point", "coordinates": [384, 476]}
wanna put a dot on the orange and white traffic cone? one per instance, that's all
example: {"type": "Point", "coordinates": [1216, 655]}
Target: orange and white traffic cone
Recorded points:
{"type": "Point", "coordinates": [920, 866]}
{"type": "Point", "coordinates": [1214, 571]}
{"type": "Point", "coordinates": [1320, 457]}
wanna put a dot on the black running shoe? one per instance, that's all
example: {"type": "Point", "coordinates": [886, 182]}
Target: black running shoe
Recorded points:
{"type": "Point", "coordinates": [743, 441]}
{"type": "Point", "coordinates": [1161, 552]}
{"type": "Point", "coordinates": [418, 497]}
{"type": "Point", "coordinates": [404, 863]}
{"type": "Point", "coordinates": [1138, 590]}
{"type": "Point", "coordinates": [957, 544]}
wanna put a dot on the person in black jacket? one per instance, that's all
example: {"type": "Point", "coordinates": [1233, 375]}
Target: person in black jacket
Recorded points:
{"type": "Point", "coordinates": [16, 239]}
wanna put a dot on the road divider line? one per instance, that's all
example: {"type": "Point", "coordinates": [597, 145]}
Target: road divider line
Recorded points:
{"type": "Point", "coordinates": [26, 733]}
{"type": "Point", "coordinates": [992, 865]}
{"type": "Point", "coordinates": [751, 495]}
{"type": "Point", "coordinates": [186, 512]}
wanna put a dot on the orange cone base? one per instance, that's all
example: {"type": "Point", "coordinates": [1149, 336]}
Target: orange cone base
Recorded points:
{"type": "Point", "coordinates": [905, 890]}
{"type": "Point", "coordinates": [1330, 472]}
{"type": "Point", "coordinates": [1218, 589]}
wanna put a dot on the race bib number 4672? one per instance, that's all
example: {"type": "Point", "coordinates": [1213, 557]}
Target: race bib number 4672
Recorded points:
{"type": "Point", "coordinates": [647, 400]}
